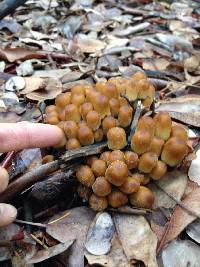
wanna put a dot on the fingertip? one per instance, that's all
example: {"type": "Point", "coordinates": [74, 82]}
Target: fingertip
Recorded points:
{"type": "Point", "coordinates": [56, 134]}
{"type": "Point", "coordinates": [4, 179]}
{"type": "Point", "coordinates": [8, 214]}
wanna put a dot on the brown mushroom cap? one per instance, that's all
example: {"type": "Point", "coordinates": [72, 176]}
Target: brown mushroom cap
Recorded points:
{"type": "Point", "coordinates": [47, 159]}
{"type": "Point", "coordinates": [72, 143]}
{"type": "Point", "coordinates": [78, 99]}
{"type": "Point", "coordinates": [101, 187]}
{"type": "Point", "coordinates": [70, 129]}
{"type": "Point", "coordinates": [131, 90]}
{"type": "Point", "coordinates": [78, 89]}
{"type": "Point", "coordinates": [63, 100]}
{"type": "Point", "coordinates": [159, 170]}
{"type": "Point", "coordinates": [98, 203]}
{"type": "Point", "coordinates": [114, 106]}
{"type": "Point", "coordinates": [93, 120]}
{"type": "Point", "coordinates": [163, 125]}
{"type": "Point", "coordinates": [85, 136]}
{"type": "Point", "coordinates": [100, 103]}
{"type": "Point", "coordinates": [125, 116]}
{"type": "Point", "coordinates": [51, 118]}
{"type": "Point", "coordinates": [51, 108]}
{"type": "Point", "coordinates": [105, 156]}
{"type": "Point", "coordinates": [141, 178]}
{"type": "Point", "coordinates": [72, 113]}
{"type": "Point", "coordinates": [130, 186]}
{"type": "Point", "coordinates": [146, 123]}
{"type": "Point", "coordinates": [131, 159]}
{"type": "Point", "coordinates": [107, 89]}
{"type": "Point", "coordinates": [90, 160]}
{"type": "Point", "coordinates": [85, 175]}
{"type": "Point", "coordinates": [98, 167]}
{"type": "Point", "coordinates": [98, 135]}
{"type": "Point", "coordinates": [156, 145]}
{"type": "Point", "coordinates": [61, 114]}
{"type": "Point", "coordinates": [139, 75]}
{"type": "Point", "coordinates": [140, 142]}
{"type": "Point", "coordinates": [85, 108]}
{"type": "Point", "coordinates": [149, 99]}
{"type": "Point", "coordinates": [116, 138]}
{"type": "Point", "coordinates": [117, 173]}
{"type": "Point", "coordinates": [179, 132]}
{"type": "Point", "coordinates": [61, 125]}
{"type": "Point", "coordinates": [143, 89]}
{"type": "Point", "coordinates": [147, 162]}
{"type": "Point", "coordinates": [108, 123]}
{"type": "Point", "coordinates": [117, 199]}
{"type": "Point", "coordinates": [116, 155]}
{"type": "Point", "coordinates": [174, 151]}
{"type": "Point", "coordinates": [143, 198]}
{"type": "Point", "coordinates": [62, 142]}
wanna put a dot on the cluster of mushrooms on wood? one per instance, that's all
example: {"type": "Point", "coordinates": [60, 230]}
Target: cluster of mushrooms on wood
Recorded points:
{"type": "Point", "coordinates": [93, 113]}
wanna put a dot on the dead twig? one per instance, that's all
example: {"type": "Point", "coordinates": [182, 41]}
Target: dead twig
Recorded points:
{"type": "Point", "coordinates": [129, 210]}
{"type": "Point", "coordinates": [41, 225]}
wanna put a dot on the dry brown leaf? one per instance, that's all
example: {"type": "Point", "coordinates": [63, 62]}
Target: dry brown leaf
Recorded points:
{"type": "Point", "coordinates": [155, 64]}
{"type": "Point", "coordinates": [52, 89]}
{"type": "Point", "coordinates": [194, 170]}
{"type": "Point", "coordinates": [174, 183]}
{"type": "Point", "coordinates": [137, 238]}
{"type": "Point", "coordinates": [88, 45]}
{"type": "Point", "coordinates": [115, 257]}
{"type": "Point", "coordinates": [18, 53]}
{"type": "Point", "coordinates": [74, 226]}
{"type": "Point", "coordinates": [32, 84]}
{"type": "Point", "coordinates": [181, 218]}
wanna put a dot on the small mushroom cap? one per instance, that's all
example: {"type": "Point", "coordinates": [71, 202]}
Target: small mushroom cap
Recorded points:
{"type": "Point", "coordinates": [163, 125]}
{"type": "Point", "coordinates": [131, 90]}
{"type": "Point", "coordinates": [61, 125]}
{"type": "Point", "coordinates": [98, 135]}
{"type": "Point", "coordinates": [70, 129]}
{"type": "Point", "coordinates": [143, 89]}
{"type": "Point", "coordinates": [123, 101]}
{"type": "Point", "coordinates": [130, 186]}
{"type": "Point", "coordinates": [85, 136]}
{"type": "Point", "coordinates": [143, 198]}
{"type": "Point", "coordinates": [116, 155]}
{"type": "Point", "coordinates": [72, 113]}
{"type": "Point", "coordinates": [179, 132]}
{"type": "Point", "coordinates": [98, 203]}
{"type": "Point", "coordinates": [98, 167]}
{"type": "Point", "coordinates": [141, 178]}
{"type": "Point", "coordinates": [125, 116]}
{"type": "Point", "coordinates": [52, 119]}
{"type": "Point", "coordinates": [114, 106]}
{"type": "Point", "coordinates": [101, 187]}
{"type": "Point", "coordinates": [90, 160]}
{"type": "Point", "coordinates": [156, 145]}
{"type": "Point", "coordinates": [105, 156]}
{"type": "Point", "coordinates": [147, 162]}
{"type": "Point", "coordinates": [139, 75]}
{"type": "Point", "coordinates": [78, 99]}
{"type": "Point", "coordinates": [47, 159]}
{"type": "Point", "coordinates": [72, 143]}
{"type": "Point", "coordinates": [131, 159]}
{"type": "Point", "coordinates": [107, 89]}
{"type": "Point", "coordinates": [117, 199]}
{"type": "Point", "coordinates": [93, 120]}
{"type": "Point", "coordinates": [108, 123]}
{"type": "Point", "coordinates": [159, 170]}
{"type": "Point", "coordinates": [85, 108]}
{"type": "Point", "coordinates": [62, 142]}
{"type": "Point", "coordinates": [85, 175]}
{"type": "Point", "coordinates": [146, 123]}
{"type": "Point", "coordinates": [116, 138]}
{"type": "Point", "coordinates": [78, 89]}
{"type": "Point", "coordinates": [51, 108]}
{"type": "Point", "coordinates": [149, 99]}
{"type": "Point", "coordinates": [117, 172]}
{"type": "Point", "coordinates": [61, 114]}
{"type": "Point", "coordinates": [100, 103]}
{"type": "Point", "coordinates": [63, 100]}
{"type": "Point", "coordinates": [140, 142]}
{"type": "Point", "coordinates": [174, 151]}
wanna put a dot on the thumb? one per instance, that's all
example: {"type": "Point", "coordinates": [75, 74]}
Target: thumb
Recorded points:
{"type": "Point", "coordinates": [8, 214]}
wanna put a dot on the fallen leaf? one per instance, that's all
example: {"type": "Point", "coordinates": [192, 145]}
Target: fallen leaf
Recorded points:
{"type": "Point", "coordinates": [15, 84]}
{"type": "Point", "coordinates": [100, 234]}
{"type": "Point", "coordinates": [115, 257]}
{"type": "Point", "coordinates": [137, 238]}
{"type": "Point", "coordinates": [55, 73]}
{"type": "Point", "coordinates": [155, 64]}
{"type": "Point", "coordinates": [11, 24]}
{"type": "Point", "coordinates": [18, 53]}
{"type": "Point", "coordinates": [74, 226]}
{"type": "Point", "coordinates": [32, 84]}
{"type": "Point", "coordinates": [89, 45]}
{"type": "Point", "coordinates": [194, 170]}
{"type": "Point", "coordinates": [45, 254]}
{"type": "Point", "coordinates": [193, 230]}
{"type": "Point", "coordinates": [50, 91]}
{"type": "Point", "coordinates": [180, 253]}
{"type": "Point", "coordinates": [174, 183]}
{"type": "Point", "coordinates": [181, 218]}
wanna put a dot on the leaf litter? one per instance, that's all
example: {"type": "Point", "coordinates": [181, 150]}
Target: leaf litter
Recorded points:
{"type": "Point", "coordinates": [49, 46]}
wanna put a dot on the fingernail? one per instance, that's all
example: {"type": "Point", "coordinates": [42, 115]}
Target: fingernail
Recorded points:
{"type": "Point", "coordinates": [8, 214]}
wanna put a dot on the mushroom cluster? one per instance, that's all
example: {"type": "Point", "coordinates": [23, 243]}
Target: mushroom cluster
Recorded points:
{"type": "Point", "coordinates": [118, 177]}
{"type": "Point", "coordinates": [90, 113]}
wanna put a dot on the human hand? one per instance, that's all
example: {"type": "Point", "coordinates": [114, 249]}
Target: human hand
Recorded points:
{"type": "Point", "coordinates": [17, 136]}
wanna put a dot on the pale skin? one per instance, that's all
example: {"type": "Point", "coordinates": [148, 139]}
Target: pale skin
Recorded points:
{"type": "Point", "coordinates": [17, 136]}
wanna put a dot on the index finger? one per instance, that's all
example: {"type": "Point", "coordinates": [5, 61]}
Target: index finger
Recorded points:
{"type": "Point", "coordinates": [17, 136]}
